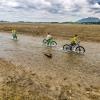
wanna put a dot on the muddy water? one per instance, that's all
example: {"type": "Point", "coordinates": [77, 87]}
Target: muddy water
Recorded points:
{"type": "Point", "coordinates": [29, 52]}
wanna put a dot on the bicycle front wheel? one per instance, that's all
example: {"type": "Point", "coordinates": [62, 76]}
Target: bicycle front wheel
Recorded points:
{"type": "Point", "coordinates": [80, 50]}
{"type": "Point", "coordinates": [53, 43]}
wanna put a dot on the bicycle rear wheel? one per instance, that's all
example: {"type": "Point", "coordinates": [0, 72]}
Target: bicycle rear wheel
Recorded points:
{"type": "Point", "coordinates": [66, 47]}
{"type": "Point", "coordinates": [45, 41]}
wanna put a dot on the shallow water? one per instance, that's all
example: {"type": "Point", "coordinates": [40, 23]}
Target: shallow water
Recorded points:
{"type": "Point", "coordinates": [29, 52]}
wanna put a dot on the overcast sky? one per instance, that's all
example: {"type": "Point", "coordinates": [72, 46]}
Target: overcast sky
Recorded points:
{"type": "Point", "coordinates": [48, 10]}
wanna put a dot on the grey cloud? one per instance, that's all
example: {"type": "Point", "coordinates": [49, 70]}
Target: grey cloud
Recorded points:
{"type": "Point", "coordinates": [50, 9]}
{"type": "Point", "coordinates": [93, 1]}
{"type": "Point", "coordinates": [56, 9]}
{"type": "Point", "coordinates": [98, 11]}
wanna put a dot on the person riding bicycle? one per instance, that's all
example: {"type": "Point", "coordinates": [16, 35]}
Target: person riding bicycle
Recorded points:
{"type": "Point", "coordinates": [74, 40]}
{"type": "Point", "coordinates": [49, 38]}
{"type": "Point", "coordinates": [14, 34]}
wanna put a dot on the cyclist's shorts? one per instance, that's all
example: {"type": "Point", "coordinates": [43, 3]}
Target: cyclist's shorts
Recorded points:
{"type": "Point", "coordinates": [73, 43]}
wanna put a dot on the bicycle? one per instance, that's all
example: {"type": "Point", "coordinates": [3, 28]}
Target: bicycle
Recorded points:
{"type": "Point", "coordinates": [50, 42]}
{"type": "Point", "coordinates": [75, 48]}
{"type": "Point", "coordinates": [14, 36]}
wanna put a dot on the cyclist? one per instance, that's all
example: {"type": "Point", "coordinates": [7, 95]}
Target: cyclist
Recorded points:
{"type": "Point", "coordinates": [14, 34]}
{"type": "Point", "coordinates": [49, 38]}
{"type": "Point", "coordinates": [74, 41]}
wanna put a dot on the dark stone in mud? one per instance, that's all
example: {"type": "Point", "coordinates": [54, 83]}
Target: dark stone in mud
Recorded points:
{"type": "Point", "coordinates": [48, 55]}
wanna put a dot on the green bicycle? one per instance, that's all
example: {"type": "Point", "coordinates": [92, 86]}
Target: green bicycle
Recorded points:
{"type": "Point", "coordinates": [49, 42]}
{"type": "Point", "coordinates": [14, 36]}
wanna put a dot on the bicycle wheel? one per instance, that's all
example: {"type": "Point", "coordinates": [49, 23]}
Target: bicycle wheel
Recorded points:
{"type": "Point", "coordinates": [80, 50]}
{"type": "Point", "coordinates": [16, 37]}
{"type": "Point", "coordinates": [45, 41]}
{"type": "Point", "coordinates": [66, 47]}
{"type": "Point", "coordinates": [53, 43]}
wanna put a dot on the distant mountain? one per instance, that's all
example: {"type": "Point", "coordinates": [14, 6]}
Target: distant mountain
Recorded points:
{"type": "Point", "coordinates": [89, 20]}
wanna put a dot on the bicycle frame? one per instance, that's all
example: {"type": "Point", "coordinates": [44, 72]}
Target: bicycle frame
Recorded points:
{"type": "Point", "coordinates": [75, 46]}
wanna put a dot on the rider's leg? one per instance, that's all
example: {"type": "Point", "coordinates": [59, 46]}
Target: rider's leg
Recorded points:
{"type": "Point", "coordinates": [71, 45]}
{"type": "Point", "coordinates": [48, 42]}
{"type": "Point", "coordinates": [16, 37]}
{"type": "Point", "coordinates": [13, 36]}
